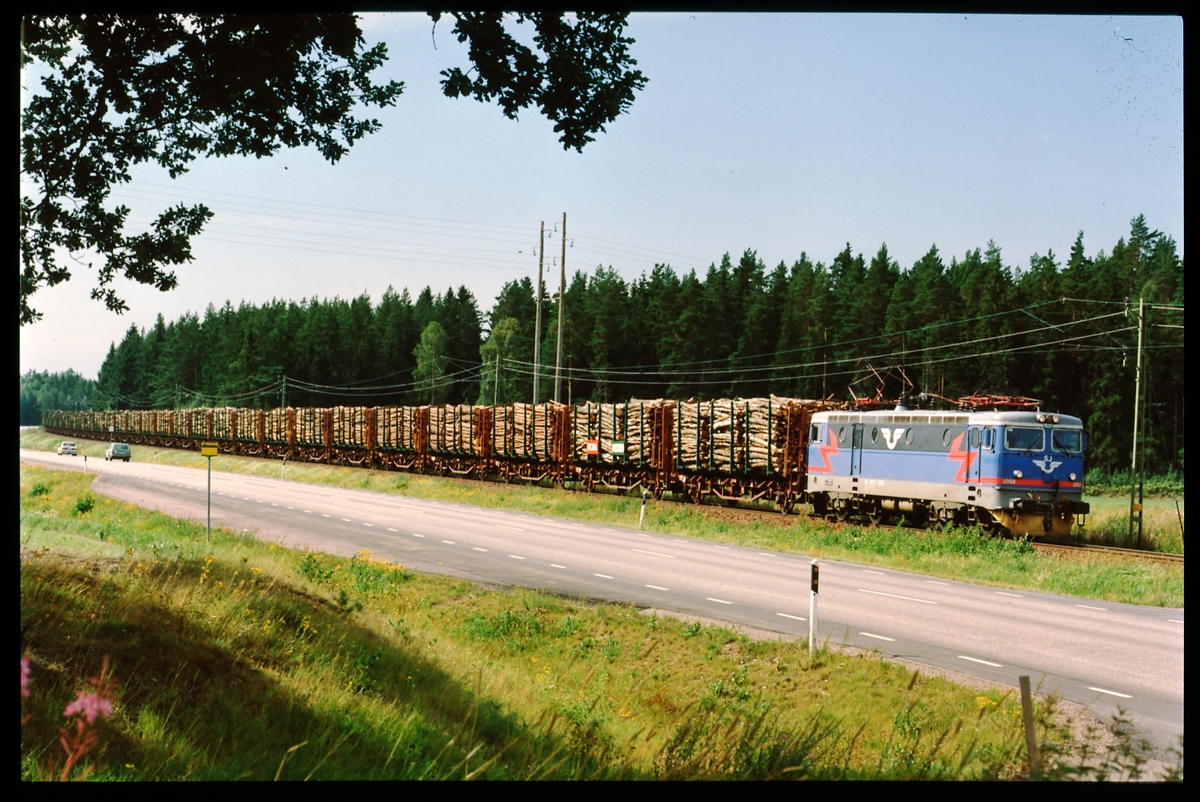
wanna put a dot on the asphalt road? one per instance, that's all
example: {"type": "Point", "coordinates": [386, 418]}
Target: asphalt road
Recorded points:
{"type": "Point", "coordinates": [1100, 654]}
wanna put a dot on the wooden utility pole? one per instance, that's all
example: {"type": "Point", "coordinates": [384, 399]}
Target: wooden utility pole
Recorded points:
{"type": "Point", "coordinates": [537, 326]}
{"type": "Point", "coordinates": [562, 302]}
{"type": "Point", "coordinates": [1135, 486]}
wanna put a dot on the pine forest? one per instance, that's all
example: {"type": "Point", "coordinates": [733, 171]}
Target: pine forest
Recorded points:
{"type": "Point", "coordinates": [1063, 330]}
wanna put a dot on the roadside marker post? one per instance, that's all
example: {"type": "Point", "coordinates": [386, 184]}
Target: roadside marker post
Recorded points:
{"type": "Point", "coordinates": [1031, 744]}
{"type": "Point", "coordinates": [209, 450]}
{"type": "Point", "coordinates": [812, 609]}
{"type": "Point", "coordinates": [642, 517]}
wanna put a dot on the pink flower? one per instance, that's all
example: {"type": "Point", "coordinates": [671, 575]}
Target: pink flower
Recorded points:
{"type": "Point", "coordinates": [24, 677]}
{"type": "Point", "coordinates": [89, 705]}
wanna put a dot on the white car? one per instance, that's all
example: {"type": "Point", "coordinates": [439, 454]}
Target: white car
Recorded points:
{"type": "Point", "coordinates": [67, 447]}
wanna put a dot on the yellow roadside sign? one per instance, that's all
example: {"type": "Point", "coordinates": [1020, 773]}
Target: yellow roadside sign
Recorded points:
{"type": "Point", "coordinates": [208, 449]}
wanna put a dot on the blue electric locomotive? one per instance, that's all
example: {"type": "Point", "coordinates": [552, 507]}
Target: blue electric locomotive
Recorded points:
{"type": "Point", "coordinates": [1006, 471]}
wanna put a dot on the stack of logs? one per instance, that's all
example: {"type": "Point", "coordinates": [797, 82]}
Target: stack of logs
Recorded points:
{"type": "Point", "coordinates": [608, 422]}
{"type": "Point", "coordinates": [735, 436]}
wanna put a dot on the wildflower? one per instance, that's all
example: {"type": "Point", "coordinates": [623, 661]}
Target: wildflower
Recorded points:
{"type": "Point", "coordinates": [89, 705]}
{"type": "Point", "coordinates": [24, 677]}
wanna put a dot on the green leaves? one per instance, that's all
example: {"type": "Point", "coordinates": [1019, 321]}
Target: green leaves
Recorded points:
{"type": "Point", "coordinates": [584, 81]}
{"type": "Point", "coordinates": [125, 90]}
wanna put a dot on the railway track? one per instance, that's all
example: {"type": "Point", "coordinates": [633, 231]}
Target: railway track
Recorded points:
{"type": "Point", "coordinates": [1091, 549]}
{"type": "Point", "coordinates": [1075, 549]}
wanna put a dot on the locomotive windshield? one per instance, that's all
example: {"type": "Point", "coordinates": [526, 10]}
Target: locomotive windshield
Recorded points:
{"type": "Point", "coordinates": [1067, 441]}
{"type": "Point", "coordinates": [1021, 439]}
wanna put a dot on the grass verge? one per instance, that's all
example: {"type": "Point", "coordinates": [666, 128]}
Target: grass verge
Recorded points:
{"type": "Point", "coordinates": [246, 660]}
{"type": "Point", "coordinates": [959, 554]}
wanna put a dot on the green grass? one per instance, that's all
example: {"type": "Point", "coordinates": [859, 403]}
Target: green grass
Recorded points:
{"type": "Point", "coordinates": [1163, 520]}
{"type": "Point", "coordinates": [247, 660]}
{"type": "Point", "coordinates": [959, 554]}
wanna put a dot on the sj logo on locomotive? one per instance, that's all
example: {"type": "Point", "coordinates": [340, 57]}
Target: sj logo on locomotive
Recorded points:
{"type": "Point", "coordinates": [1046, 464]}
{"type": "Point", "coordinates": [891, 436]}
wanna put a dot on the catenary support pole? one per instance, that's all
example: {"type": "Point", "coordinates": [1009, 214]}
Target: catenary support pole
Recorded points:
{"type": "Point", "coordinates": [562, 303]}
{"type": "Point", "coordinates": [537, 325]}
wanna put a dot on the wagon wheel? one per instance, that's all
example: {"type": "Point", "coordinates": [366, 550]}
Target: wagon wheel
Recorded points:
{"type": "Point", "coordinates": [788, 504]}
{"type": "Point", "coordinates": [695, 492]}
{"type": "Point", "coordinates": [589, 482]}
{"type": "Point", "coordinates": [657, 492]}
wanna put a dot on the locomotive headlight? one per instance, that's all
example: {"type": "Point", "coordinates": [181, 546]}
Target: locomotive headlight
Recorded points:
{"type": "Point", "coordinates": [1020, 475]}
{"type": "Point", "coordinates": [1072, 477]}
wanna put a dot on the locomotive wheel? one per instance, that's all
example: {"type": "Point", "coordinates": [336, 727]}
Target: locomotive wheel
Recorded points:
{"type": "Point", "coordinates": [876, 516]}
{"type": "Point", "coordinates": [841, 512]}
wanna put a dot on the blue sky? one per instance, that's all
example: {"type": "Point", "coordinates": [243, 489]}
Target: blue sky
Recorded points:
{"type": "Point", "coordinates": [779, 133]}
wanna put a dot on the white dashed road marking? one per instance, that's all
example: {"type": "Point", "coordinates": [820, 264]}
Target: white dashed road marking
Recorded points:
{"type": "Point", "coordinates": [793, 617]}
{"type": "Point", "coordinates": [603, 576]}
{"type": "Point", "coordinates": [1088, 607]}
{"type": "Point", "coordinates": [932, 582]}
{"type": "Point", "coordinates": [894, 596]}
{"type": "Point", "coordinates": [718, 601]}
{"type": "Point", "coordinates": [514, 528]}
{"type": "Point", "coordinates": [656, 587]}
{"type": "Point", "coordinates": [654, 553]}
{"type": "Point", "coordinates": [881, 637]}
{"type": "Point", "coordinates": [1110, 693]}
{"type": "Point", "coordinates": [877, 573]}
{"type": "Point", "coordinates": [977, 660]}
{"type": "Point", "coordinates": [1014, 595]}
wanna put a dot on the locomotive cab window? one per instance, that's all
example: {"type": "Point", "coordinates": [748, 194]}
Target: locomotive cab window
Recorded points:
{"type": "Point", "coordinates": [814, 434]}
{"type": "Point", "coordinates": [1017, 438]}
{"type": "Point", "coordinates": [988, 439]}
{"type": "Point", "coordinates": [1066, 441]}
